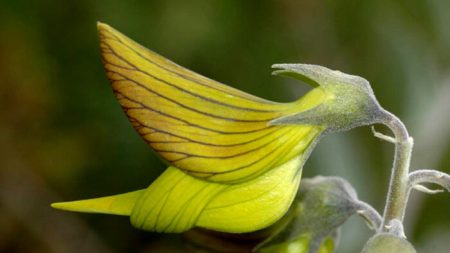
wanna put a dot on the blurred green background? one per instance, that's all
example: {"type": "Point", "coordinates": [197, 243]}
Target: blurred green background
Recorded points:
{"type": "Point", "coordinates": [63, 136]}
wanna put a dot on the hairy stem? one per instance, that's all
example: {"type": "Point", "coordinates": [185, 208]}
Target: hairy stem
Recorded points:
{"type": "Point", "coordinates": [369, 213]}
{"type": "Point", "coordinates": [429, 176]}
{"type": "Point", "coordinates": [397, 196]}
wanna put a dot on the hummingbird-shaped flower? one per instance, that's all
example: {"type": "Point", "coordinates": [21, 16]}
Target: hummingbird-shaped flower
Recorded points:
{"type": "Point", "coordinates": [235, 160]}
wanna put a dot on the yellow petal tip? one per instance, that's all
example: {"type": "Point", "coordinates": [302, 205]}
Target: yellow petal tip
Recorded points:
{"type": "Point", "coordinates": [101, 25]}
{"type": "Point", "coordinates": [120, 204]}
{"type": "Point", "coordinates": [58, 205]}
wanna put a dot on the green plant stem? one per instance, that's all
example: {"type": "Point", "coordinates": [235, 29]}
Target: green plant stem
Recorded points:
{"type": "Point", "coordinates": [429, 176]}
{"type": "Point", "coordinates": [369, 213]}
{"type": "Point", "coordinates": [397, 196]}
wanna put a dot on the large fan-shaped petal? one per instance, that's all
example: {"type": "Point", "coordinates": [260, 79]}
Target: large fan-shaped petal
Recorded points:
{"type": "Point", "coordinates": [198, 125]}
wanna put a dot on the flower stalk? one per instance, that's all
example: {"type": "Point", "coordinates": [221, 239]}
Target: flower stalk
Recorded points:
{"type": "Point", "coordinates": [369, 214]}
{"type": "Point", "coordinates": [398, 192]}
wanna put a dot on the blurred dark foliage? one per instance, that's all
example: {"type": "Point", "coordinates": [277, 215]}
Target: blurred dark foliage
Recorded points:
{"type": "Point", "coordinates": [63, 135]}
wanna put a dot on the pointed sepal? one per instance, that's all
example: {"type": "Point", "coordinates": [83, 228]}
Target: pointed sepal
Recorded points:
{"type": "Point", "coordinates": [350, 100]}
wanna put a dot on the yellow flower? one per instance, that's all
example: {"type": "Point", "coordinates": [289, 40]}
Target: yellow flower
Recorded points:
{"type": "Point", "coordinates": [231, 170]}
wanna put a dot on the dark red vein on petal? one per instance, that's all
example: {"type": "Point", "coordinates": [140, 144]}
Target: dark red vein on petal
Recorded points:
{"type": "Point", "coordinates": [112, 51]}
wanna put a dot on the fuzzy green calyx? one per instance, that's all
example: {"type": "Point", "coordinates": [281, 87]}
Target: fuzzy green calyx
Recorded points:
{"type": "Point", "coordinates": [388, 243]}
{"type": "Point", "coordinates": [350, 100]}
